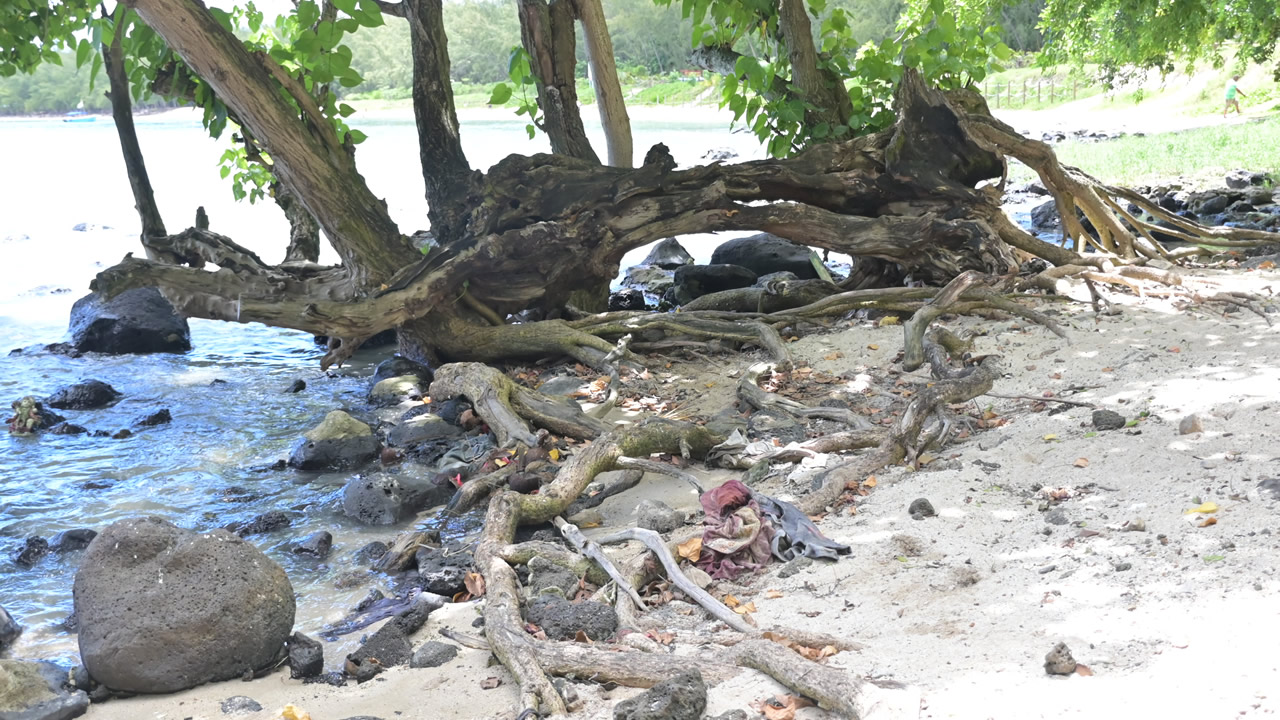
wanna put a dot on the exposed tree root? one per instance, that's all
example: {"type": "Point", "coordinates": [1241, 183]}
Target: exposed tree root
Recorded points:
{"type": "Point", "coordinates": [506, 406]}
{"type": "Point", "coordinates": [750, 392]}
{"type": "Point", "coordinates": [531, 660]}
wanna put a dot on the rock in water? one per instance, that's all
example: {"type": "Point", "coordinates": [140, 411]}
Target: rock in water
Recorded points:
{"type": "Point", "coordinates": [84, 395]}
{"type": "Point", "coordinates": [30, 416]}
{"type": "Point", "coordinates": [9, 629]}
{"type": "Point", "coordinates": [163, 609]}
{"type": "Point", "coordinates": [135, 321]}
{"type": "Point", "coordinates": [764, 253]}
{"type": "Point", "coordinates": [34, 691]}
{"type": "Point", "coordinates": [397, 366]}
{"type": "Point", "coordinates": [340, 441]}
{"type": "Point", "coordinates": [683, 697]}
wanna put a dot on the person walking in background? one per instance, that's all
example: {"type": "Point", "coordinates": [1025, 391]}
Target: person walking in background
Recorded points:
{"type": "Point", "coordinates": [1232, 91]}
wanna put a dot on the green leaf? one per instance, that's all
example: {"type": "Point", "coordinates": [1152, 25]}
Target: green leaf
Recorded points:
{"type": "Point", "coordinates": [307, 13]}
{"type": "Point", "coordinates": [82, 52]}
{"type": "Point", "coordinates": [1001, 51]}
{"type": "Point", "coordinates": [345, 110]}
{"type": "Point", "coordinates": [357, 137]}
{"type": "Point", "coordinates": [500, 95]}
{"type": "Point", "coordinates": [533, 132]}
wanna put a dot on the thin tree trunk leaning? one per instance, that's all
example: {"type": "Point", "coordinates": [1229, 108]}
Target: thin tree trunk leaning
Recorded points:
{"type": "Point", "coordinates": [826, 95]}
{"type": "Point", "coordinates": [546, 30]}
{"type": "Point", "coordinates": [448, 176]}
{"type": "Point", "coordinates": [604, 79]}
{"type": "Point", "coordinates": [144, 198]}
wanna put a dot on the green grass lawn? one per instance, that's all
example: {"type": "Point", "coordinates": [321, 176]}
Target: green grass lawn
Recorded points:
{"type": "Point", "coordinates": [1200, 156]}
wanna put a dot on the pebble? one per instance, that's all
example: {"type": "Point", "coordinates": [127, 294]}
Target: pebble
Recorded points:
{"type": "Point", "coordinates": [1108, 420]}
{"type": "Point", "coordinates": [1135, 525]}
{"type": "Point", "coordinates": [433, 654]}
{"type": "Point", "coordinates": [1059, 660]}
{"type": "Point", "coordinates": [240, 705]}
{"type": "Point", "coordinates": [921, 508]}
{"type": "Point", "coordinates": [1190, 424]}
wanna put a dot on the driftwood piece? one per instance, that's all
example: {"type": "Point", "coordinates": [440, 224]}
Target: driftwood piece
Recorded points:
{"type": "Point", "coordinates": [627, 479]}
{"type": "Point", "coordinates": [660, 468]}
{"type": "Point", "coordinates": [653, 541]}
{"type": "Point", "coordinates": [595, 552]}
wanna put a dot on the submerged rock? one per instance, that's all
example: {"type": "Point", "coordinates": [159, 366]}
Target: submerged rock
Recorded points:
{"type": "Point", "coordinates": [163, 609]}
{"type": "Point", "coordinates": [318, 545]}
{"type": "Point", "coordinates": [135, 321]}
{"type": "Point", "coordinates": [338, 442]}
{"type": "Point", "coordinates": [261, 524]}
{"type": "Point", "coordinates": [84, 395]}
{"type": "Point", "coordinates": [31, 552]}
{"type": "Point", "coordinates": [71, 540]}
{"type": "Point", "coordinates": [159, 417]}
{"type": "Point", "coordinates": [34, 691]}
{"type": "Point", "coordinates": [765, 253]}
{"type": "Point", "coordinates": [9, 629]}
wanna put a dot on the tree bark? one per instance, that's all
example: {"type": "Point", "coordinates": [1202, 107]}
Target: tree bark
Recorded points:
{"type": "Point", "coordinates": [306, 151]}
{"type": "Point", "coordinates": [604, 78]}
{"type": "Point", "coordinates": [144, 198]}
{"type": "Point", "coordinates": [827, 95]}
{"type": "Point", "coordinates": [445, 169]}
{"type": "Point", "coordinates": [546, 29]}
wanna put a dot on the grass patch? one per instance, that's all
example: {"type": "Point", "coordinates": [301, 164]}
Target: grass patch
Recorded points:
{"type": "Point", "coordinates": [1201, 156]}
{"type": "Point", "coordinates": [678, 92]}
{"type": "Point", "coordinates": [1034, 88]}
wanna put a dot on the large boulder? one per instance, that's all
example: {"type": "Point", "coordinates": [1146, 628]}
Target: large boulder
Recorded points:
{"type": "Point", "coordinates": [163, 609]}
{"type": "Point", "coordinates": [420, 429]}
{"type": "Point", "coordinates": [84, 395]}
{"type": "Point", "coordinates": [668, 254]}
{"type": "Point", "coordinates": [34, 691]}
{"type": "Point", "coordinates": [135, 321]}
{"type": "Point", "coordinates": [764, 253]}
{"type": "Point", "coordinates": [395, 390]}
{"type": "Point", "coordinates": [340, 441]}
{"type": "Point", "coordinates": [694, 281]}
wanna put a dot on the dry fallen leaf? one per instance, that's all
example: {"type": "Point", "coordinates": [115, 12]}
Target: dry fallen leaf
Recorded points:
{"type": "Point", "coordinates": [553, 454]}
{"type": "Point", "coordinates": [1266, 265]}
{"type": "Point", "coordinates": [731, 601]}
{"type": "Point", "coordinates": [293, 712]}
{"type": "Point", "coordinates": [870, 482]}
{"type": "Point", "coordinates": [1083, 670]}
{"type": "Point", "coordinates": [490, 683]}
{"type": "Point", "coordinates": [1175, 349]}
{"type": "Point", "coordinates": [1206, 508]}
{"type": "Point", "coordinates": [474, 583]}
{"type": "Point", "coordinates": [1050, 437]}
{"type": "Point", "coordinates": [1208, 521]}
{"type": "Point", "coordinates": [1081, 462]}
{"type": "Point", "coordinates": [781, 707]}
{"type": "Point", "coordinates": [833, 356]}
{"type": "Point", "coordinates": [581, 637]}
{"type": "Point", "coordinates": [873, 347]}
{"type": "Point", "coordinates": [773, 594]}
{"type": "Point", "coordinates": [745, 609]}
{"type": "Point", "coordinates": [690, 549]}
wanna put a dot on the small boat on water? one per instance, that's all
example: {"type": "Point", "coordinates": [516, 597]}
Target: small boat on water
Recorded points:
{"type": "Point", "coordinates": [78, 116]}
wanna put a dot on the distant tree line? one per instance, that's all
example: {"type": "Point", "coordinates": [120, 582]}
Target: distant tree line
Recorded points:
{"type": "Point", "coordinates": [649, 39]}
